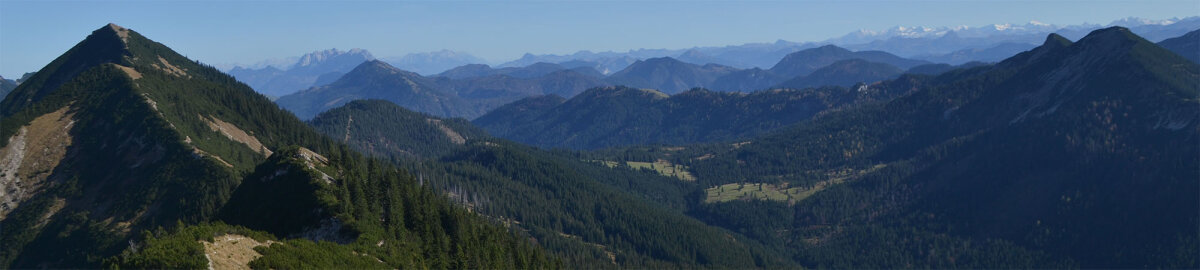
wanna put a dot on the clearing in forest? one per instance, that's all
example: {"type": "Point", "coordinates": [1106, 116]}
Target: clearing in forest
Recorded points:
{"type": "Point", "coordinates": [781, 192]}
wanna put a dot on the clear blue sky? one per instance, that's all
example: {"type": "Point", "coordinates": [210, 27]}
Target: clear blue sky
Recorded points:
{"type": "Point", "coordinates": [32, 33]}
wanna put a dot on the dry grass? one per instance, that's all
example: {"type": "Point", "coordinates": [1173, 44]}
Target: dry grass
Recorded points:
{"type": "Point", "coordinates": [129, 71]}
{"type": "Point", "coordinates": [663, 167]}
{"type": "Point", "coordinates": [169, 68]}
{"type": "Point", "coordinates": [232, 251]}
{"type": "Point", "coordinates": [122, 32]}
{"type": "Point", "coordinates": [236, 134]}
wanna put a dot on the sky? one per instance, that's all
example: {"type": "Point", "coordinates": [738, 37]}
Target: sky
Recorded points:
{"type": "Point", "coordinates": [33, 33]}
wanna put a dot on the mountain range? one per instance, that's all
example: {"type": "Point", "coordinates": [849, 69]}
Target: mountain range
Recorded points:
{"type": "Point", "coordinates": [622, 116]}
{"type": "Point", "coordinates": [471, 90]}
{"type": "Point", "coordinates": [952, 45]}
{"type": "Point", "coordinates": [429, 63]}
{"type": "Point", "coordinates": [918, 42]}
{"type": "Point", "coordinates": [313, 69]}
{"type": "Point", "coordinates": [470, 95]}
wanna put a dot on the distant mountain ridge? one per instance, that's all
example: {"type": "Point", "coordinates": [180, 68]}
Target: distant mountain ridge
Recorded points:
{"type": "Point", "coordinates": [429, 63]}
{"type": "Point", "coordinates": [799, 65]}
{"type": "Point", "coordinates": [476, 91]}
{"type": "Point", "coordinates": [668, 75]}
{"type": "Point", "coordinates": [304, 73]}
{"type": "Point", "coordinates": [992, 54]}
{"type": "Point", "coordinates": [531, 71]}
{"type": "Point", "coordinates": [949, 44]}
{"type": "Point", "coordinates": [844, 73]}
{"type": "Point", "coordinates": [623, 116]}
{"type": "Point", "coordinates": [472, 90]}
{"type": "Point", "coordinates": [1187, 45]}
{"type": "Point", "coordinates": [374, 79]}
{"type": "Point", "coordinates": [944, 40]}
{"type": "Point", "coordinates": [6, 86]}
{"type": "Point", "coordinates": [368, 126]}
{"type": "Point", "coordinates": [920, 42]}
{"type": "Point", "coordinates": [806, 61]}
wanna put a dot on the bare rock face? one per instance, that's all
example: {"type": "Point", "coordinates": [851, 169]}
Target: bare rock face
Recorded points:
{"type": "Point", "coordinates": [30, 157]}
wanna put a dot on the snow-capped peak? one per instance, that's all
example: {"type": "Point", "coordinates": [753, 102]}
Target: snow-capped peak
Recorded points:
{"type": "Point", "coordinates": [1135, 21]}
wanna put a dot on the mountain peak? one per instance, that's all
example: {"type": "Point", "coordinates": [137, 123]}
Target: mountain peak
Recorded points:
{"type": "Point", "coordinates": [1055, 40]}
{"type": "Point", "coordinates": [1108, 42]}
{"type": "Point", "coordinates": [664, 59]}
{"type": "Point", "coordinates": [333, 56]}
{"type": "Point", "coordinates": [829, 47]}
{"type": "Point", "coordinates": [108, 44]}
{"type": "Point", "coordinates": [112, 28]}
{"type": "Point", "coordinates": [116, 27]}
{"type": "Point", "coordinates": [375, 65]}
{"type": "Point", "coordinates": [1111, 34]}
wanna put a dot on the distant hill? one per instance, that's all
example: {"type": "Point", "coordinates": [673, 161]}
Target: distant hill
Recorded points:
{"type": "Point", "coordinates": [744, 56]}
{"type": "Point", "coordinates": [429, 63]}
{"type": "Point", "coordinates": [1187, 45]}
{"type": "Point", "coordinates": [376, 79]}
{"type": "Point", "coordinates": [804, 62]}
{"type": "Point", "coordinates": [495, 90]}
{"type": "Point", "coordinates": [468, 71]}
{"type": "Point", "coordinates": [394, 132]}
{"type": "Point", "coordinates": [937, 69]}
{"type": "Point", "coordinates": [748, 80]}
{"type": "Point", "coordinates": [694, 56]}
{"type": "Point", "coordinates": [520, 112]}
{"type": "Point", "coordinates": [122, 153]}
{"type": "Point", "coordinates": [799, 65]}
{"type": "Point", "coordinates": [622, 116]}
{"type": "Point", "coordinates": [531, 71]}
{"type": "Point", "coordinates": [991, 54]}
{"type": "Point", "coordinates": [668, 75]}
{"type": "Point", "coordinates": [844, 73]}
{"type": "Point", "coordinates": [303, 74]}
{"type": "Point", "coordinates": [605, 63]}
